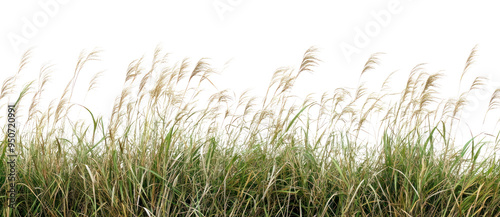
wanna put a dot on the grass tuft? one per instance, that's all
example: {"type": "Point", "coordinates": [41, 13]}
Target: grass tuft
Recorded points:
{"type": "Point", "coordinates": [173, 148]}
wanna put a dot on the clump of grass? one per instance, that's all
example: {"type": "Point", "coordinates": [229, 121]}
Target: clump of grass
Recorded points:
{"type": "Point", "coordinates": [169, 149]}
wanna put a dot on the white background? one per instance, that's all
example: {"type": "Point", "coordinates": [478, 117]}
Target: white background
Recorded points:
{"type": "Point", "coordinates": [256, 36]}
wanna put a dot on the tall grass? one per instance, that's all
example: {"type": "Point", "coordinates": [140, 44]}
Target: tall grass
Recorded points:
{"type": "Point", "coordinates": [171, 149]}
